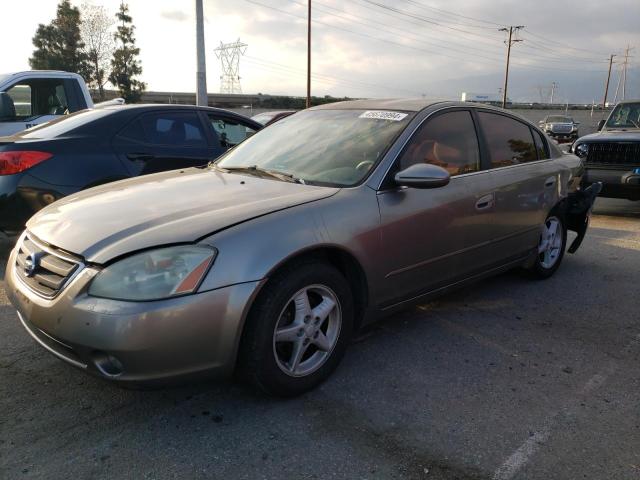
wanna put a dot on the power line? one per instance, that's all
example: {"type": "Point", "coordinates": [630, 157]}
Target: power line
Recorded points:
{"type": "Point", "coordinates": [432, 52]}
{"type": "Point", "coordinates": [488, 22]}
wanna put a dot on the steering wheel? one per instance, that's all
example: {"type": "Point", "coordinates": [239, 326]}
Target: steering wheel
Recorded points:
{"type": "Point", "coordinates": [364, 165]}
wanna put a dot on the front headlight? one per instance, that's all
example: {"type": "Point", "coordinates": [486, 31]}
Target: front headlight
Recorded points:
{"type": "Point", "coordinates": [155, 274]}
{"type": "Point", "coordinates": [581, 150]}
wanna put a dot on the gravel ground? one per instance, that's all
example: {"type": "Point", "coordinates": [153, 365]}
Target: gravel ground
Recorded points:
{"type": "Point", "coordinates": [510, 378]}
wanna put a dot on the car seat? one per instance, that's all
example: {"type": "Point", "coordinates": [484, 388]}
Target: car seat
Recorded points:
{"type": "Point", "coordinates": [7, 107]}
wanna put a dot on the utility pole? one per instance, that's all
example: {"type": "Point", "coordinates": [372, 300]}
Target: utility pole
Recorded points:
{"type": "Point", "coordinates": [624, 71]}
{"type": "Point", "coordinates": [308, 53]}
{"type": "Point", "coordinates": [201, 73]}
{"type": "Point", "coordinates": [606, 87]}
{"type": "Point", "coordinates": [512, 29]}
{"type": "Point", "coordinates": [554, 85]}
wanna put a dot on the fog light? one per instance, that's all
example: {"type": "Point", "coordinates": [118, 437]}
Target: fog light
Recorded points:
{"type": "Point", "coordinates": [107, 364]}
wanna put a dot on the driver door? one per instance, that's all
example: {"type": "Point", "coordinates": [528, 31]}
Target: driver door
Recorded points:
{"type": "Point", "coordinates": [435, 237]}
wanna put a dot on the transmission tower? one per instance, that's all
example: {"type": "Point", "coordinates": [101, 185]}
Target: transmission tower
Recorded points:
{"type": "Point", "coordinates": [229, 55]}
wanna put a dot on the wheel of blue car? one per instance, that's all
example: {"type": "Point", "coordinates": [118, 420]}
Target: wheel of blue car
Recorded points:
{"type": "Point", "coordinates": [298, 330]}
{"type": "Point", "coordinates": [551, 246]}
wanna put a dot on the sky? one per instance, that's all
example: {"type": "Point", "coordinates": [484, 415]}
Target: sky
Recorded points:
{"type": "Point", "coordinates": [373, 48]}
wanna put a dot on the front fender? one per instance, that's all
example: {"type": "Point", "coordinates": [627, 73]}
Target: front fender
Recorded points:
{"type": "Point", "coordinates": [252, 250]}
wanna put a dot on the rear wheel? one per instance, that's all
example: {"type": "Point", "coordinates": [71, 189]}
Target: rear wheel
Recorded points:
{"type": "Point", "coordinates": [553, 240]}
{"type": "Point", "coordinates": [298, 329]}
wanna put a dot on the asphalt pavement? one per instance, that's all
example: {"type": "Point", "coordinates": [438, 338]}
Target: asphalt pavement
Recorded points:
{"type": "Point", "coordinates": [509, 379]}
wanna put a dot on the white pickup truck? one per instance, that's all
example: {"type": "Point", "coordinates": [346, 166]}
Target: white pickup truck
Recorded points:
{"type": "Point", "coordinates": [37, 96]}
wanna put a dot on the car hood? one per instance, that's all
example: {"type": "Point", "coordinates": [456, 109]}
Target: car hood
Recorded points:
{"type": "Point", "coordinates": [612, 136]}
{"type": "Point", "coordinates": [106, 222]}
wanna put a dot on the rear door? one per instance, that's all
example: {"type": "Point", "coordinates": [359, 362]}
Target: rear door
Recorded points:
{"type": "Point", "coordinates": [435, 237]}
{"type": "Point", "coordinates": [526, 181]}
{"type": "Point", "coordinates": [164, 140]}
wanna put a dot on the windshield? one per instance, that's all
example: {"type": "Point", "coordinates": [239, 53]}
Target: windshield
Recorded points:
{"type": "Point", "coordinates": [3, 77]}
{"type": "Point", "coordinates": [625, 115]}
{"type": "Point", "coordinates": [559, 119]}
{"type": "Point", "coordinates": [64, 124]}
{"type": "Point", "coordinates": [325, 147]}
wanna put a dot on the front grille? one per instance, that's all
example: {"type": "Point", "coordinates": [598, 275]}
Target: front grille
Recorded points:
{"type": "Point", "coordinates": [561, 128]}
{"type": "Point", "coordinates": [610, 153]}
{"type": "Point", "coordinates": [44, 269]}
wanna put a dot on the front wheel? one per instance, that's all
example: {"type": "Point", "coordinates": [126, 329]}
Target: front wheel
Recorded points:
{"type": "Point", "coordinates": [298, 330]}
{"type": "Point", "coordinates": [553, 240]}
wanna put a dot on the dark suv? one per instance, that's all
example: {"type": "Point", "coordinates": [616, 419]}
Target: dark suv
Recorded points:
{"type": "Point", "coordinates": [93, 147]}
{"type": "Point", "coordinates": [612, 155]}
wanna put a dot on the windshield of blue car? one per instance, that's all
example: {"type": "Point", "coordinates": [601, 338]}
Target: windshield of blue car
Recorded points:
{"type": "Point", "coordinates": [323, 147]}
{"type": "Point", "coordinates": [625, 115]}
{"type": "Point", "coordinates": [559, 119]}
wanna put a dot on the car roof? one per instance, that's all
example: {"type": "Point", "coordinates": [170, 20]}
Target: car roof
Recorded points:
{"type": "Point", "coordinates": [412, 105]}
{"type": "Point", "coordinates": [402, 104]}
{"type": "Point", "coordinates": [275, 112]}
{"type": "Point", "coordinates": [165, 106]}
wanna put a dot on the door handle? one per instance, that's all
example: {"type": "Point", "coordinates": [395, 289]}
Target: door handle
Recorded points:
{"type": "Point", "coordinates": [550, 182]}
{"type": "Point", "coordinates": [140, 156]}
{"type": "Point", "coordinates": [485, 203]}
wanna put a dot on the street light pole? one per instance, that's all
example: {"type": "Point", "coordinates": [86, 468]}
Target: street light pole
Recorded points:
{"type": "Point", "coordinates": [201, 73]}
{"type": "Point", "coordinates": [509, 42]}
{"type": "Point", "coordinates": [308, 54]}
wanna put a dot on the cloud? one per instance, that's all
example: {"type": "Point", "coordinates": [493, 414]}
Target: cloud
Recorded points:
{"type": "Point", "coordinates": [175, 15]}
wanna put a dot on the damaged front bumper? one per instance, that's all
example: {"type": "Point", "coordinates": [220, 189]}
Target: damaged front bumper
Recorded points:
{"type": "Point", "coordinates": [578, 212]}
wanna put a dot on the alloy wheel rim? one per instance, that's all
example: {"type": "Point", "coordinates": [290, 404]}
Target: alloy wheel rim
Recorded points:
{"type": "Point", "coordinates": [550, 245]}
{"type": "Point", "coordinates": [307, 330]}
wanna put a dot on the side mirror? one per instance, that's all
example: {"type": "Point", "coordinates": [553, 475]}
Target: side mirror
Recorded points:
{"type": "Point", "coordinates": [601, 124]}
{"type": "Point", "coordinates": [423, 175]}
{"type": "Point", "coordinates": [7, 108]}
{"type": "Point", "coordinates": [541, 122]}
{"type": "Point", "coordinates": [576, 123]}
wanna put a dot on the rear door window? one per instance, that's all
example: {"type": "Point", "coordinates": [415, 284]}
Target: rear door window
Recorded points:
{"type": "Point", "coordinates": [509, 141]}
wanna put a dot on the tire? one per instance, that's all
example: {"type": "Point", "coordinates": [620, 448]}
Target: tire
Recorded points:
{"type": "Point", "coordinates": [280, 323]}
{"type": "Point", "coordinates": [546, 263]}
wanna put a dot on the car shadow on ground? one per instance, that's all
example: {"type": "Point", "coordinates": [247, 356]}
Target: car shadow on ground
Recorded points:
{"type": "Point", "coordinates": [614, 207]}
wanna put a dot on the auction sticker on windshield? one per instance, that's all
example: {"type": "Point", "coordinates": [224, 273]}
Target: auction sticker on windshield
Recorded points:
{"type": "Point", "coordinates": [382, 115]}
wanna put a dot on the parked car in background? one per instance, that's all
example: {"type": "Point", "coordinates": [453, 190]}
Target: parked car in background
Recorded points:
{"type": "Point", "coordinates": [272, 256]}
{"type": "Point", "coordinates": [92, 147]}
{"type": "Point", "coordinates": [37, 96]}
{"type": "Point", "coordinates": [612, 155]}
{"type": "Point", "coordinates": [267, 118]}
{"type": "Point", "coordinates": [561, 128]}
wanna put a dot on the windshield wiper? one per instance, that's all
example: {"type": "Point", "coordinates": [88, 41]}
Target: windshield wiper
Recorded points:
{"type": "Point", "coordinates": [284, 176]}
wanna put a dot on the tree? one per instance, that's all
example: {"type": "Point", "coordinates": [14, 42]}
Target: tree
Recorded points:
{"type": "Point", "coordinates": [58, 46]}
{"type": "Point", "coordinates": [99, 44]}
{"type": "Point", "coordinates": [125, 65]}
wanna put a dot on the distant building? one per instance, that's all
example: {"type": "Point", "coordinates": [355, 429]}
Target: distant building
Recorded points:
{"type": "Point", "coordinates": [490, 98]}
